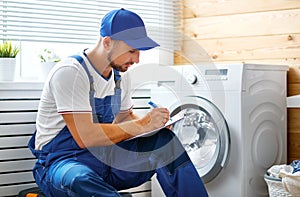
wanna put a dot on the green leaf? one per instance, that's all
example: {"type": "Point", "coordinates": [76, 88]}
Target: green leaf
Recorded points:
{"type": "Point", "coordinates": [7, 50]}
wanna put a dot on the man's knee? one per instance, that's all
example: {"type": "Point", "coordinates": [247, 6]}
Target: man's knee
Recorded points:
{"type": "Point", "coordinates": [76, 178]}
{"type": "Point", "coordinates": [89, 183]}
{"type": "Point", "coordinates": [76, 175]}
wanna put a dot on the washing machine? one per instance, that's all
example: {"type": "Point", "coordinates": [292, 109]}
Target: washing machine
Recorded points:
{"type": "Point", "coordinates": [234, 126]}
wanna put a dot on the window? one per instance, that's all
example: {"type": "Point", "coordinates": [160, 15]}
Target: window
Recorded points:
{"type": "Point", "coordinates": [68, 26]}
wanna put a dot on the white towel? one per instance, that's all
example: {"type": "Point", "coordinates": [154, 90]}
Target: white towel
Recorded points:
{"type": "Point", "coordinates": [291, 182]}
{"type": "Point", "coordinates": [276, 169]}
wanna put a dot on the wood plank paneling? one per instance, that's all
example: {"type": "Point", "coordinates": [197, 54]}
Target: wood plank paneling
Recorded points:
{"type": "Point", "coordinates": [293, 89]}
{"type": "Point", "coordinates": [281, 41]}
{"type": "Point", "coordinates": [241, 25]}
{"type": "Point", "coordinates": [244, 48]}
{"type": "Point", "coordinates": [196, 8]}
{"type": "Point", "coordinates": [293, 146]}
{"type": "Point", "coordinates": [221, 58]}
{"type": "Point", "coordinates": [181, 59]}
{"type": "Point", "coordinates": [293, 120]}
{"type": "Point", "coordinates": [294, 74]}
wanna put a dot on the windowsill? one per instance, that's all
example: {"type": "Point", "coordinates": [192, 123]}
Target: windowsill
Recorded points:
{"type": "Point", "coordinates": [21, 85]}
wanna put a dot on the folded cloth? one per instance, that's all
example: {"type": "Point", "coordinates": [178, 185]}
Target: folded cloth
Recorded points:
{"type": "Point", "coordinates": [291, 183]}
{"type": "Point", "coordinates": [289, 176]}
{"type": "Point", "coordinates": [276, 169]}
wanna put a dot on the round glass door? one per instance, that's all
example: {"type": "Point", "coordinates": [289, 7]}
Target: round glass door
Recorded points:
{"type": "Point", "coordinates": [204, 134]}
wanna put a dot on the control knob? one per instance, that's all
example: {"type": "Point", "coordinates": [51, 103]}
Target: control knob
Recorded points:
{"type": "Point", "coordinates": [191, 78]}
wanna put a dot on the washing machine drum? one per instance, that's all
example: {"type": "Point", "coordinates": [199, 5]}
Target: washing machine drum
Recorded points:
{"type": "Point", "coordinates": [204, 134]}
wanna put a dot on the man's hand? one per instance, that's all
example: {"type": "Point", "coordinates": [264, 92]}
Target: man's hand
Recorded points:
{"type": "Point", "coordinates": [157, 118]}
{"type": "Point", "coordinates": [88, 134]}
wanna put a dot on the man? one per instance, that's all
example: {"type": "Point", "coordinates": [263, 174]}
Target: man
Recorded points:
{"type": "Point", "coordinates": [85, 122]}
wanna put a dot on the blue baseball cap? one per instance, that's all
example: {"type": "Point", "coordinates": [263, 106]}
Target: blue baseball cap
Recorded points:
{"type": "Point", "coordinates": [127, 26]}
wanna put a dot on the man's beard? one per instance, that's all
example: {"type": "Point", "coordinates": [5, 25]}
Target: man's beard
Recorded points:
{"type": "Point", "coordinates": [118, 67]}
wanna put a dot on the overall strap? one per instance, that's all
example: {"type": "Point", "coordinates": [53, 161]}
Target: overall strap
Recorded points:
{"type": "Point", "coordinates": [91, 80]}
{"type": "Point", "coordinates": [117, 78]}
{"type": "Point", "coordinates": [116, 98]}
{"type": "Point", "coordinates": [117, 75]}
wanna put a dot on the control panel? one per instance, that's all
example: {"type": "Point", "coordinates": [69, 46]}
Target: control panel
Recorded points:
{"type": "Point", "coordinates": [218, 77]}
{"type": "Point", "coordinates": [215, 74]}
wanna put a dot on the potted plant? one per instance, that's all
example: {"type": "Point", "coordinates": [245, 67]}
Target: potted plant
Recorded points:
{"type": "Point", "coordinates": [48, 58]}
{"type": "Point", "coordinates": [8, 54]}
{"type": "Point", "coordinates": [48, 55]}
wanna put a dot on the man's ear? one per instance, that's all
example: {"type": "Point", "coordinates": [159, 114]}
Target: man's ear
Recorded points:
{"type": "Point", "coordinates": [107, 42]}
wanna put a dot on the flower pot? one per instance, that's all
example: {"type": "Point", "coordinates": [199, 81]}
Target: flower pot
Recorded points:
{"type": "Point", "coordinates": [7, 69]}
{"type": "Point", "coordinates": [44, 69]}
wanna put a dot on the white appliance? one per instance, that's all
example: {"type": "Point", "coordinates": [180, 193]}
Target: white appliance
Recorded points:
{"type": "Point", "coordinates": [293, 101]}
{"type": "Point", "coordinates": [235, 124]}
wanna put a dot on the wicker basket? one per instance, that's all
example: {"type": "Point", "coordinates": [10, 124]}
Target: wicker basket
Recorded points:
{"type": "Point", "coordinates": [275, 187]}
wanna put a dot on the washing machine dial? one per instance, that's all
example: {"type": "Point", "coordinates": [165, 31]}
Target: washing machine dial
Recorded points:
{"type": "Point", "coordinates": [191, 78]}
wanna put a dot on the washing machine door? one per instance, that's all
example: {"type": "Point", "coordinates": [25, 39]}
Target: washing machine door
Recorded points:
{"type": "Point", "coordinates": [204, 134]}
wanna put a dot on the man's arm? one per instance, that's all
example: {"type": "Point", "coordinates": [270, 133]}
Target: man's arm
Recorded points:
{"type": "Point", "coordinates": [88, 134]}
{"type": "Point", "coordinates": [125, 116]}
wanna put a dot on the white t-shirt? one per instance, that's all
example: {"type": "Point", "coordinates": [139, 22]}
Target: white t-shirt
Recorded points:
{"type": "Point", "coordinates": [66, 90]}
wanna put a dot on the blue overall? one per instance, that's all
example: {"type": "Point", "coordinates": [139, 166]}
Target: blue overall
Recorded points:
{"type": "Point", "coordinates": [64, 169]}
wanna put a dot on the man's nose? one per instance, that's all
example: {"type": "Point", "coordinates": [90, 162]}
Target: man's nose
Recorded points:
{"type": "Point", "coordinates": [136, 57]}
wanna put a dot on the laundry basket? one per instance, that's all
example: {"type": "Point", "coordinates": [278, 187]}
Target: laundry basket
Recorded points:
{"type": "Point", "coordinates": [275, 187]}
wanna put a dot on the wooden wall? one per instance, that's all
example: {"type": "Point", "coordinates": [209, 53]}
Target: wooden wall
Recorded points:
{"type": "Point", "coordinates": [251, 31]}
{"type": "Point", "coordinates": [293, 115]}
